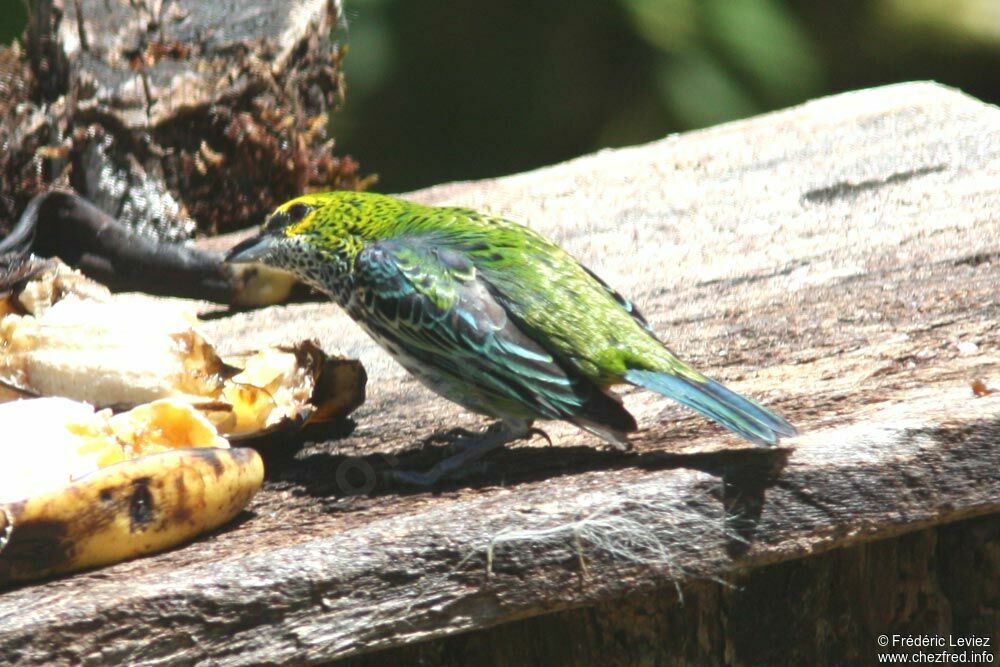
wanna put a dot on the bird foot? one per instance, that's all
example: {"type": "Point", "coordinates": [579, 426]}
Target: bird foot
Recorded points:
{"type": "Point", "coordinates": [459, 439]}
{"type": "Point", "coordinates": [467, 450]}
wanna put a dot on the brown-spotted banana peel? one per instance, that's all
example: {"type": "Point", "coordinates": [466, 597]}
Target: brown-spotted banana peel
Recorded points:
{"type": "Point", "coordinates": [125, 510]}
{"type": "Point", "coordinates": [80, 488]}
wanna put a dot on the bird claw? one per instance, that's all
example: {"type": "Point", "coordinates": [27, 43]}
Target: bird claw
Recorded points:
{"type": "Point", "coordinates": [533, 431]}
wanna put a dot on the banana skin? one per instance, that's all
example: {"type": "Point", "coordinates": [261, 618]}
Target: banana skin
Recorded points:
{"type": "Point", "coordinates": [126, 510]}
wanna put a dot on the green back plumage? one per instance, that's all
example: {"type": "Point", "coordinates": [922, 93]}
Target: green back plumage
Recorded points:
{"type": "Point", "coordinates": [553, 297]}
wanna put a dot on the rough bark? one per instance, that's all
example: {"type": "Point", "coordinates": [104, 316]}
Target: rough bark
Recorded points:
{"type": "Point", "coordinates": [838, 261]}
{"type": "Point", "coordinates": [172, 116]}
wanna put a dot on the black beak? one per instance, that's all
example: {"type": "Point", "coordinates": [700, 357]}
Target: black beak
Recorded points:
{"type": "Point", "coordinates": [254, 249]}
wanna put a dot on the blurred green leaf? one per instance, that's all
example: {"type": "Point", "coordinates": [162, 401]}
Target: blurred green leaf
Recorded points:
{"type": "Point", "coordinates": [371, 54]}
{"type": "Point", "coordinates": [764, 40]}
{"type": "Point", "coordinates": [961, 24]}
{"type": "Point", "coordinates": [670, 25]}
{"type": "Point", "coordinates": [700, 92]}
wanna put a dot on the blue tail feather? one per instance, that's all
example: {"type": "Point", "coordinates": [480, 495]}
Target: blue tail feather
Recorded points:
{"type": "Point", "coordinates": [737, 413]}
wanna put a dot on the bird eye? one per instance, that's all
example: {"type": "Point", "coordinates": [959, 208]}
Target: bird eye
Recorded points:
{"type": "Point", "coordinates": [296, 212]}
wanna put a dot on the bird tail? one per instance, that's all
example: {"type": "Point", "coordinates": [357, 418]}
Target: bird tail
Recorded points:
{"type": "Point", "coordinates": [737, 413]}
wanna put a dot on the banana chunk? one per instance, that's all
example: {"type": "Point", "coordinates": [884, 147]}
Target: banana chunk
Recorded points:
{"type": "Point", "coordinates": [80, 488]}
{"type": "Point", "coordinates": [150, 467]}
{"type": "Point", "coordinates": [111, 353]}
{"type": "Point", "coordinates": [62, 335]}
{"type": "Point", "coordinates": [126, 510]}
{"type": "Point", "coordinates": [51, 442]}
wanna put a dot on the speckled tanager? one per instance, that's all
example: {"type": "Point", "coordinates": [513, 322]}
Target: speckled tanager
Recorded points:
{"type": "Point", "coordinates": [489, 314]}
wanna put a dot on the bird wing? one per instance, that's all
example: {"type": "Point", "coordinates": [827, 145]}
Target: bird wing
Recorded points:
{"type": "Point", "coordinates": [430, 301]}
{"type": "Point", "coordinates": [623, 302]}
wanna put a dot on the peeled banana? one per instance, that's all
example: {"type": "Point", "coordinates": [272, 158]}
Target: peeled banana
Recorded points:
{"type": "Point", "coordinates": [64, 335]}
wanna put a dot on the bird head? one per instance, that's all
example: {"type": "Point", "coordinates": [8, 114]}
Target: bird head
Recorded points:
{"type": "Point", "coordinates": [315, 237]}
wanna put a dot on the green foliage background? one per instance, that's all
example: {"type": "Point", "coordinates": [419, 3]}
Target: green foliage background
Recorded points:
{"type": "Point", "coordinates": [442, 90]}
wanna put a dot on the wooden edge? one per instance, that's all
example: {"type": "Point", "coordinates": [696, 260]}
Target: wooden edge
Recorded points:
{"type": "Point", "coordinates": [432, 573]}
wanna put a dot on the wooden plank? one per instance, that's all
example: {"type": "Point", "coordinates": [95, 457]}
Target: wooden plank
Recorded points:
{"type": "Point", "coordinates": [838, 261]}
{"type": "Point", "coordinates": [826, 609]}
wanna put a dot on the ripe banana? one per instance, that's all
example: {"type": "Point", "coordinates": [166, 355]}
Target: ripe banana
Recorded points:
{"type": "Point", "coordinates": [63, 335]}
{"type": "Point", "coordinates": [81, 487]}
{"type": "Point", "coordinates": [125, 510]}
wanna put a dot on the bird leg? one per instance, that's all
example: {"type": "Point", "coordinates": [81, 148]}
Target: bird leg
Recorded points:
{"type": "Point", "coordinates": [469, 449]}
